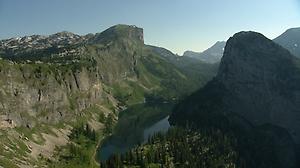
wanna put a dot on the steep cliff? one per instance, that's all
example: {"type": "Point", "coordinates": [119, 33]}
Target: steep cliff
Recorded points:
{"type": "Point", "coordinates": [64, 81]}
{"type": "Point", "coordinates": [257, 85]}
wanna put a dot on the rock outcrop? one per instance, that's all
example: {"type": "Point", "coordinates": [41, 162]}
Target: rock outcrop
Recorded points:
{"type": "Point", "coordinates": [31, 95]}
{"type": "Point", "coordinates": [258, 80]}
{"type": "Point", "coordinates": [263, 80]}
{"type": "Point", "coordinates": [119, 31]}
{"type": "Point", "coordinates": [256, 95]}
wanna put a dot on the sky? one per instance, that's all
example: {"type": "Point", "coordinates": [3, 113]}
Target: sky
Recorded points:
{"type": "Point", "coordinates": [177, 25]}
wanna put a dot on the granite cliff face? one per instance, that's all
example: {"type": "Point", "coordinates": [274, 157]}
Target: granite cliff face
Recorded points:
{"type": "Point", "coordinates": [258, 80]}
{"type": "Point", "coordinates": [263, 79]}
{"type": "Point", "coordinates": [35, 95]}
{"type": "Point", "coordinates": [255, 95]}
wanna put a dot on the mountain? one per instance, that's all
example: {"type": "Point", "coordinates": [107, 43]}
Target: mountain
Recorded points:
{"type": "Point", "coordinates": [255, 95]}
{"type": "Point", "coordinates": [55, 89]}
{"type": "Point", "coordinates": [211, 55]}
{"type": "Point", "coordinates": [290, 40]}
{"type": "Point", "coordinates": [35, 42]}
{"type": "Point", "coordinates": [200, 71]}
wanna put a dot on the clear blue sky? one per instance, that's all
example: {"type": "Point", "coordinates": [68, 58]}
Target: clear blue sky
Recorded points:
{"type": "Point", "coordinates": [178, 25]}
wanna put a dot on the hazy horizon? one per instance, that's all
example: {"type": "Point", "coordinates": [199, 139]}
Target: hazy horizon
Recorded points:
{"type": "Point", "coordinates": [178, 26]}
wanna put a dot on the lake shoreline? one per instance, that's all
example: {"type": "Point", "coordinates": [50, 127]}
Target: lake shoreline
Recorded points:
{"type": "Point", "coordinates": [109, 148]}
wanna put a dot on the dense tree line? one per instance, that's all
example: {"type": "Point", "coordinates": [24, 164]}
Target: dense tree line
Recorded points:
{"type": "Point", "coordinates": [196, 148]}
{"type": "Point", "coordinates": [83, 130]}
{"type": "Point", "coordinates": [180, 148]}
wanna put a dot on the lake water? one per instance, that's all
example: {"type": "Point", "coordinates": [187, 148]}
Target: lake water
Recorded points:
{"type": "Point", "coordinates": [120, 145]}
{"type": "Point", "coordinates": [160, 126]}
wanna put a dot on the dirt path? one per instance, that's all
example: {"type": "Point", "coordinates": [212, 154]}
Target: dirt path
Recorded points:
{"type": "Point", "coordinates": [96, 150]}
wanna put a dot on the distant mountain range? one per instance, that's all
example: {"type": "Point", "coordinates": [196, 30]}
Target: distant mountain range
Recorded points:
{"type": "Point", "coordinates": [41, 42]}
{"type": "Point", "coordinates": [211, 55]}
{"type": "Point", "coordinates": [290, 40]}
{"type": "Point", "coordinates": [193, 66]}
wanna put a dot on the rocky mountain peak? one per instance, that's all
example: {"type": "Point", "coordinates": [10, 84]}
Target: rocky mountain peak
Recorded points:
{"type": "Point", "coordinates": [256, 92]}
{"type": "Point", "coordinates": [258, 80]}
{"type": "Point", "coordinates": [211, 55]}
{"type": "Point", "coordinates": [129, 32]}
{"type": "Point", "coordinates": [253, 54]}
{"type": "Point", "coordinates": [64, 38]}
{"type": "Point", "coordinates": [219, 45]}
{"type": "Point", "coordinates": [33, 42]}
{"type": "Point", "coordinates": [64, 35]}
{"type": "Point", "coordinates": [293, 30]}
{"type": "Point", "coordinates": [290, 40]}
{"type": "Point", "coordinates": [262, 78]}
